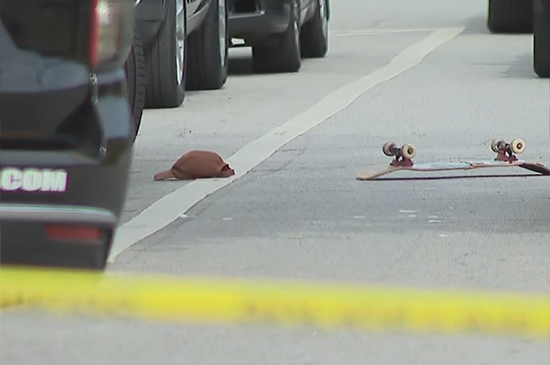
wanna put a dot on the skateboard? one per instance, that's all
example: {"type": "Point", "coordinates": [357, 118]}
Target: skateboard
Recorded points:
{"type": "Point", "coordinates": [506, 157]}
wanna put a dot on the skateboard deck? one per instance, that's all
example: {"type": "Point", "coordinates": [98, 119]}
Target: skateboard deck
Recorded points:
{"type": "Point", "coordinates": [378, 171]}
{"type": "Point", "coordinates": [403, 161]}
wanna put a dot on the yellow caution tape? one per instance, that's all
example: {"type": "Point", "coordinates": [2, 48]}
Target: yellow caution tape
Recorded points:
{"type": "Point", "coordinates": [227, 301]}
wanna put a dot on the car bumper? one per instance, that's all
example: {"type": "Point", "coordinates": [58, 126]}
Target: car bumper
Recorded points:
{"type": "Point", "coordinates": [25, 241]}
{"type": "Point", "coordinates": [258, 18]}
{"type": "Point", "coordinates": [82, 188]}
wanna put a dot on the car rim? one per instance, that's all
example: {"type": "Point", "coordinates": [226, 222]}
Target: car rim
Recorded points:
{"type": "Point", "coordinates": [180, 39]}
{"type": "Point", "coordinates": [323, 15]}
{"type": "Point", "coordinates": [222, 29]}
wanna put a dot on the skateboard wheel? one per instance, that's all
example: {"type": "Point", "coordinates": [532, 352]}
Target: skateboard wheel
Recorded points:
{"type": "Point", "coordinates": [386, 148]}
{"type": "Point", "coordinates": [517, 145]}
{"type": "Point", "coordinates": [495, 145]}
{"type": "Point", "coordinates": [408, 150]}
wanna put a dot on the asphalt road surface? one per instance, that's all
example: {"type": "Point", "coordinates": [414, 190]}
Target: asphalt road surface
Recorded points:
{"type": "Point", "coordinates": [299, 213]}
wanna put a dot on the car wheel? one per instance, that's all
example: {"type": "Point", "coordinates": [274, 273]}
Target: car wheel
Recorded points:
{"type": "Point", "coordinates": [510, 16]}
{"type": "Point", "coordinates": [166, 66]}
{"type": "Point", "coordinates": [207, 62]}
{"type": "Point", "coordinates": [541, 38]}
{"type": "Point", "coordinates": [136, 81]}
{"type": "Point", "coordinates": [314, 34]}
{"type": "Point", "coordinates": [285, 55]}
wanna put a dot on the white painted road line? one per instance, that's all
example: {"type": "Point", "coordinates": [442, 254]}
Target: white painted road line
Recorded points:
{"type": "Point", "coordinates": [170, 207]}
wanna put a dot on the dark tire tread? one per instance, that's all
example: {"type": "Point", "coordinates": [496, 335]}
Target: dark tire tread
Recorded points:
{"type": "Point", "coordinates": [136, 81]}
{"type": "Point", "coordinates": [510, 16]}
{"type": "Point", "coordinates": [204, 66]}
{"type": "Point", "coordinates": [313, 43]}
{"type": "Point", "coordinates": [163, 90]}
{"type": "Point", "coordinates": [541, 38]}
{"type": "Point", "coordinates": [285, 56]}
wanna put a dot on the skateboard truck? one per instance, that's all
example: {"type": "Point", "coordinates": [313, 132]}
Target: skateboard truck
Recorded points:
{"type": "Point", "coordinates": [403, 155]}
{"type": "Point", "coordinates": [506, 151]}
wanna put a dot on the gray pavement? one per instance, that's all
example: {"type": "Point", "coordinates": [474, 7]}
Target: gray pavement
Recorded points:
{"type": "Point", "coordinates": [302, 215]}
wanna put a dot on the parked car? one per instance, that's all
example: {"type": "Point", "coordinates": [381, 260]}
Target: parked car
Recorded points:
{"type": "Point", "coordinates": [280, 32]}
{"type": "Point", "coordinates": [185, 44]}
{"type": "Point", "coordinates": [66, 128]}
{"type": "Point", "coordinates": [524, 16]}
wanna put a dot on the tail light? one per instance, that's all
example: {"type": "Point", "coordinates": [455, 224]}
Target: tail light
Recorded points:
{"type": "Point", "coordinates": [111, 32]}
{"type": "Point", "coordinates": [73, 233]}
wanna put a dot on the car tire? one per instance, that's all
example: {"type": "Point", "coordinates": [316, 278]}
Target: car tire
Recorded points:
{"type": "Point", "coordinates": [541, 38]}
{"type": "Point", "coordinates": [510, 16]}
{"type": "Point", "coordinates": [166, 61]}
{"type": "Point", "coordinates": [314, 34]}
{"type": "Point", "coordinates": [136, 81]}
{"type": "Point", "coordinates": [208, 49]}
{"type": "Point", "coordinates": [285, 56]}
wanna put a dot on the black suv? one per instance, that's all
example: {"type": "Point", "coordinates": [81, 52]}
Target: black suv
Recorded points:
{"type": "Point", "coordinates": [66, 131]}
{"type": "Point", "coordinates": [280, 32]}
{"type": "Point", "coordinates": [185, 46]}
